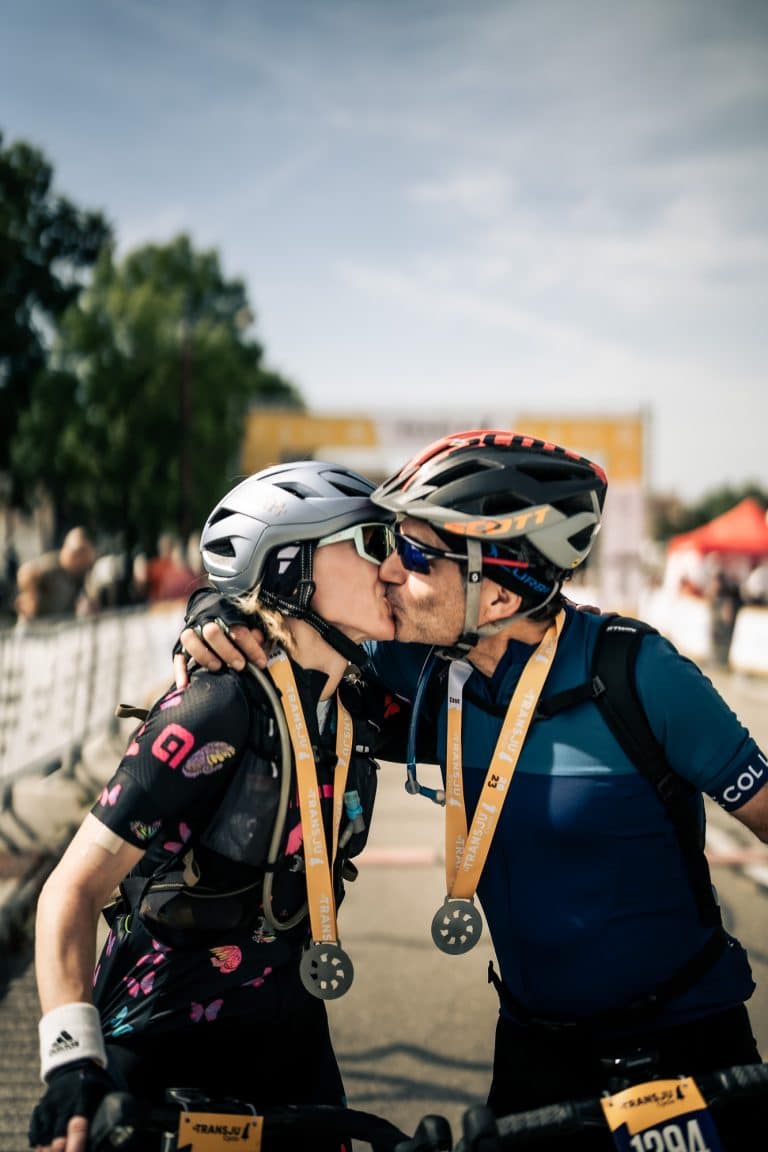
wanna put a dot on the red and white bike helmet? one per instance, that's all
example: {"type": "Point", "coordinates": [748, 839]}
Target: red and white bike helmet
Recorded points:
{"type": "Point", "coordinates": [525, 511]}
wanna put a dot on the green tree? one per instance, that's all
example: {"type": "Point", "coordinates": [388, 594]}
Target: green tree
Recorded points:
{"type": "Point", "coordinates": [671, 519]}
{"type": "Point", "coordinates": [46, 244]}
{"type": "Point", "coordinates": [136, 428]}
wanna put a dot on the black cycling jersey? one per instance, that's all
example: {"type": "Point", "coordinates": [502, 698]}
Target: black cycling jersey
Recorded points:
{"type": "Point", "coordinates": [198, 777]}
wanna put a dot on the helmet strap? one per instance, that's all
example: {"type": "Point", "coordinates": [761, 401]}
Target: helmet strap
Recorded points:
{"type": "Point", "coordinates": [473, 584]}
{"type": "Point", "coordinates": [473, 630]}
{"type": "Point", "coordinates": [298, 607]}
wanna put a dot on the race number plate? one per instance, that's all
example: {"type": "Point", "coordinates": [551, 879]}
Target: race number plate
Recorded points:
{"type": "Point", "coordinates": [661, 1116]}
{"type": "Point", "coordinates": [218, 1131]}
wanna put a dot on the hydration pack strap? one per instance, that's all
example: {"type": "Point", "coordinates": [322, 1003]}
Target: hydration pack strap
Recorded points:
{"type": "Point", "coordinates": [640, 1013]}
{"type": "Point", "coordinates": [613, 690]}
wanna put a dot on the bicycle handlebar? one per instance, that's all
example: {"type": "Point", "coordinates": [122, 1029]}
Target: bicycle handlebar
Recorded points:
{"type": "Point", "coordinates": [124, 1122]}
{"type": "Point", "coordinates": [538, 1127]}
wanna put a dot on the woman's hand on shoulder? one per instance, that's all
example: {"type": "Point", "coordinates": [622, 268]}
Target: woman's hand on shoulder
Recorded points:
{"type": "Point", "coordinates": [212, 647]}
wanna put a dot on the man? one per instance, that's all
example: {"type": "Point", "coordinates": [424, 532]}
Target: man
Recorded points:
{"type": "Point", "coordinates": [602, 946]}
{"type": "Point", "coordinates": [53, 584]}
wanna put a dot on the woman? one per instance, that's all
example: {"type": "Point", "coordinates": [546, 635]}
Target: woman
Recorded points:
{"type": "Point", "coordinates": [224, 828]}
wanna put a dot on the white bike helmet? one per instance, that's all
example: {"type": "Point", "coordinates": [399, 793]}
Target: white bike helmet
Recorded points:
{"type": "Point", "coordinates": [265, 530]}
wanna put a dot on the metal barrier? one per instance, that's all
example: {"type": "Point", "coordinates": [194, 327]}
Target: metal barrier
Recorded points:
{"type": "Point", "coordinates": [60, 681]}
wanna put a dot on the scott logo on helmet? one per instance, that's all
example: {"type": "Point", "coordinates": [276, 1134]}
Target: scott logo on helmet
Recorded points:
{"type": "Point", "coordinates": [507, 526]}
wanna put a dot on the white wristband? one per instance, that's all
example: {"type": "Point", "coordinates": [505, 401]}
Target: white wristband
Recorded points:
{"type": "Point", "coordinates": [70, 1032]}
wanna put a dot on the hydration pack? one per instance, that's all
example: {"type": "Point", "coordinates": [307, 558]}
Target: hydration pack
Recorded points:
{"type": "Point", "coordinates": [613, 690]}
{"type": "Point", "coordinates": [222, 879]}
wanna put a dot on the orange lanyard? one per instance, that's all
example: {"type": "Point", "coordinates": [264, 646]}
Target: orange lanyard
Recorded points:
{"type": "Point", "coordinates": [466, 851]}
{"type": "Point", "coordinates": [320, 894]}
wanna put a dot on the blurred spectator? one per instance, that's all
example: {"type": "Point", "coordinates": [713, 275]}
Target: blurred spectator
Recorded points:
{"type": "Point", "coordinates": [117, 580]}
{"type": "Point", "coordinates": [11, 564]}
{"type": "Point", "coordinates": [688, 587]}
{"type": "Point", "coordinates": [8, 582]}
{"type": "Point", "coordinates": [725, 601]}
{"type": "Point", "coordinates": [194, 557]}
{"type": "Point", "coordinates": [169, 576]}
{"type": "Point", "coordinates": [53, 584]}
{"type": "Point", "coordinates": [754, 589]}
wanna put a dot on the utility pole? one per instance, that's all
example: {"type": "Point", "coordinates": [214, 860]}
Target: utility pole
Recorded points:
{"type": "Point", "coordinates": [186, 406]}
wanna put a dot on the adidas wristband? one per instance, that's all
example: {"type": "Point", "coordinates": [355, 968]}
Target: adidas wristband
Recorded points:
{"type": "Point", "coordinates": [70, 1032]}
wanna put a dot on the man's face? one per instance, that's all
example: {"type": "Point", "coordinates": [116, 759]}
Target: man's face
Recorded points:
{"type": "Point", "coordinates": [428, 608]}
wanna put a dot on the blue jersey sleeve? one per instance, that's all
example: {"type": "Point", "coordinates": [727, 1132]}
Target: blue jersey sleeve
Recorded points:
{"type": "Point", "coordinates": [704, 740]}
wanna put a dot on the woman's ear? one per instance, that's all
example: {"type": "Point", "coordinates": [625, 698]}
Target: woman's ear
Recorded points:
{"type": "Point", "coordinates": [497, 602]}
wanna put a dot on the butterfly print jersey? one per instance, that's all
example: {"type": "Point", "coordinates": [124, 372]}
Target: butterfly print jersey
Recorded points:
{"type": "Point", "coordinates": [179, 772]}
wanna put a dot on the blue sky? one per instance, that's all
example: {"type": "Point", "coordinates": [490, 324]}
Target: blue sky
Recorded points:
{"type": "Point", "coordinates": [475, 207]}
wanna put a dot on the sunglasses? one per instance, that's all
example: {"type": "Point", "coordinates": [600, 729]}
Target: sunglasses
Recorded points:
{"type": "Point", "coordinates": [374, 542]}
{"type": "Point", "coordinates": [416, 556]}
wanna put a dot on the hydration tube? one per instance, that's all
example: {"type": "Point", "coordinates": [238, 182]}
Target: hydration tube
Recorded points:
{"type": "Point", "coordinates": [412, 785]}
{"type": "Point", "coordinates": [286, 767]}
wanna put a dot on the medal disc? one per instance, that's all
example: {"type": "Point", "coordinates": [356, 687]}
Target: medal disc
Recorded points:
{"type": "Point", "coordinates": [326, 970]}
{"type": "Point", "coordinates": [456, 927]}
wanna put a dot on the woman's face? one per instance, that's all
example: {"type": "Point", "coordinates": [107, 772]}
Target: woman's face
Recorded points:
{"type": "Point", "coordinates": [349, 593]}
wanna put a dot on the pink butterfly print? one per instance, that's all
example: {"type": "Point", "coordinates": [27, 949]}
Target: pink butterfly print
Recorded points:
{"type": "Point", "coordinates": [227, 957]}
{"type": "Point", "coordinates": [144, 985]}
{"type": "Point", "coordinates": [153, 958]}
{"type": "Point", "coordinates": [294, 841]}
{"type": "Point", "coordinates": [96, 972]}
{"type": "Point", "coordinates": [199, 1012]}
{"type": "Point", "coordinates": [176, 845]}
{"type": "Point", "coordinates": [172, 699]}
{"type": "Point", "coordinates": [133, 747]}
{"type": "Point", "coordinates": [108, 797]}
{"type": "Point", "coordinates": [258, 980]}
{"type": "Point", "coordinates": [110, 942]}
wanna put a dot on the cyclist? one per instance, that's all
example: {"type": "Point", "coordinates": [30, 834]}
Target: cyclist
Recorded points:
{"type": "Point", "coordinates": [602, 945]}
{"type": "Point", "coordinates": [222, 944]}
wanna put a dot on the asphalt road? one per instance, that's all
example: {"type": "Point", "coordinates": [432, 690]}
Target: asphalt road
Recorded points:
{"type": "Point", "coordinates": [414, 1033]}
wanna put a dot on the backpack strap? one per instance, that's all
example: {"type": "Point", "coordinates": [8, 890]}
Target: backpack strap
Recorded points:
{"type": "Point", "coordinates": [613, 689]}
{"type": "Point", "coordinates": [613, 678]}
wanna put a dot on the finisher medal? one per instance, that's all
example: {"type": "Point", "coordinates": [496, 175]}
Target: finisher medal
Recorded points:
{"type": "Point", "coordinates": [326, 970]}
{"type": "Point", "coordinates": [456, 927]}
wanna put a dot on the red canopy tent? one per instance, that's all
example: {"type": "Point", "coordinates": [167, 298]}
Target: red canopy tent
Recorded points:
{"type": "Point", "coordinates": [742, 529]}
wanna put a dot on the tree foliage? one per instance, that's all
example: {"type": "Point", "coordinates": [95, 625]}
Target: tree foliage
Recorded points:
{"type": "Point", "coordinates": [138, 421]}
{"type": "Point", "coordinates": [673, 519]}
{"type": "Point", "coordinates": [46, 244]}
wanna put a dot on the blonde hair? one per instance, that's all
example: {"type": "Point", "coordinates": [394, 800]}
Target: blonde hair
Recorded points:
{"type": "Point", "coordinates": [273, 624]}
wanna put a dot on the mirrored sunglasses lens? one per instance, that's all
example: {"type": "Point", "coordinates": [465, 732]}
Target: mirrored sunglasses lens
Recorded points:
{"type": "Point", "coordinates": [377, 542]}
{"type": "Point", "coordinates": [411, 556]}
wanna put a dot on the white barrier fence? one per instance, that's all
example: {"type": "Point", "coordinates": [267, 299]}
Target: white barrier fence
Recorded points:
{"type": "Point", "coordinates": [749, 644]}
{"type": "Point", "coordinates": [60, 682]}
{"type": "Point", "coordinates": [687, 622]}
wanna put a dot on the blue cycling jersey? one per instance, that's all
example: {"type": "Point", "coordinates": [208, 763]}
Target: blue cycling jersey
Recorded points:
{"type": "Point", "coordinates": [585, 891]}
